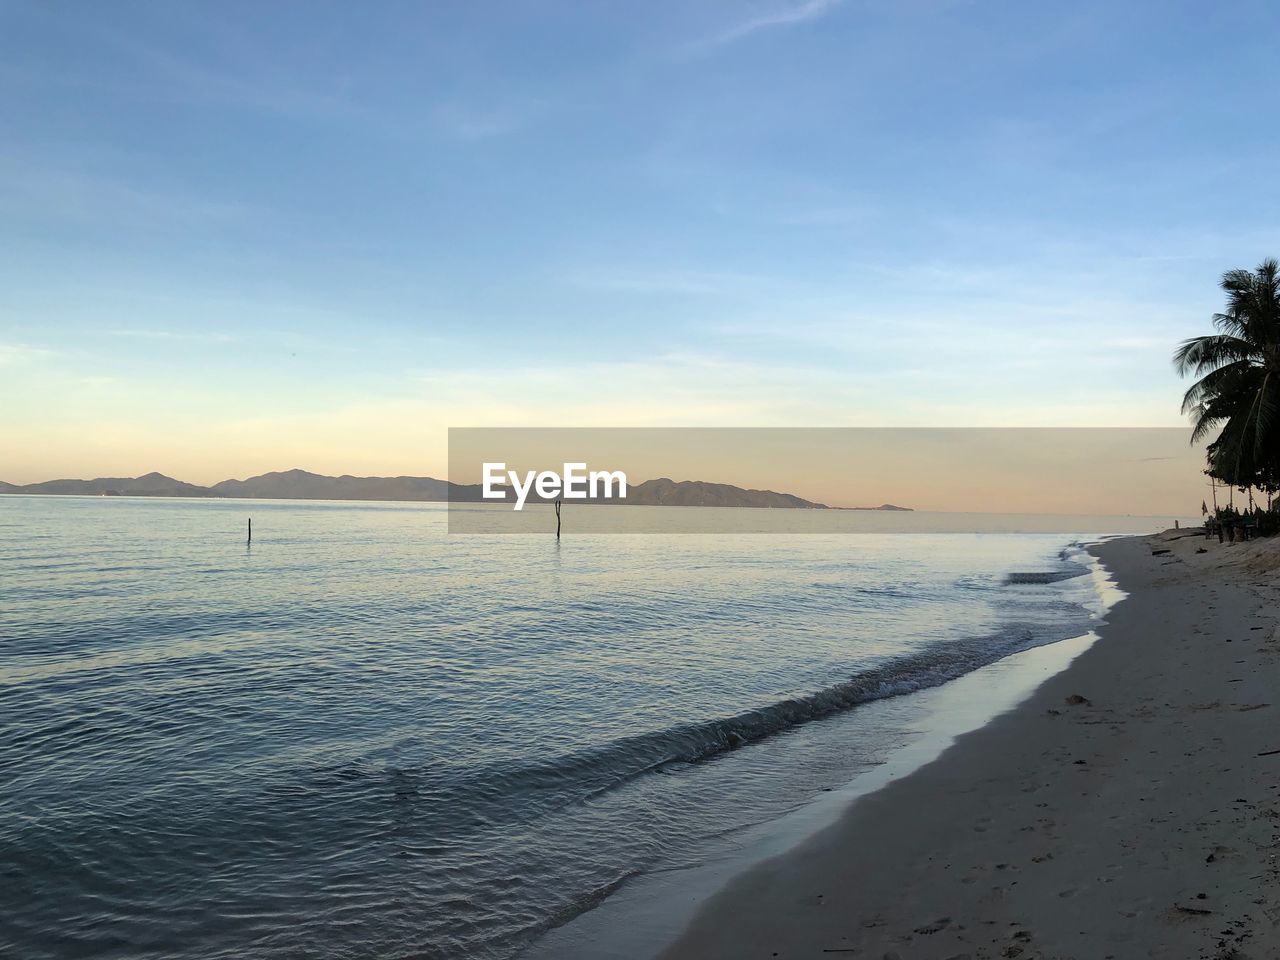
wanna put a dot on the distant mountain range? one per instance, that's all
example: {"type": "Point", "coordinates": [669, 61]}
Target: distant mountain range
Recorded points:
{"type": "Point", "coordinates": [150, 485]}
{"type": "Point", "coordinates": [301, 485]}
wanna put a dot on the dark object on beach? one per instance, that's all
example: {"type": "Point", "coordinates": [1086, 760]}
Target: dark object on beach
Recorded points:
{"type": "Point", "coordinates": [1201, 550]}
{"type": "Point", "coordinates": [1158, 553]}
{"type": "Point", "coordinates": [1268, 753]}
{"type": "Point", "coordinates": [1075, 700]}
{"type": "Point", "coordinates": [1199, 911]}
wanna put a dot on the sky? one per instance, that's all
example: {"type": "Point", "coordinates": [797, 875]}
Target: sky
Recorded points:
{"type": "Point", "coordinates": [241, 237]}
{"type": "Point", "coordinates": [1143, 471]}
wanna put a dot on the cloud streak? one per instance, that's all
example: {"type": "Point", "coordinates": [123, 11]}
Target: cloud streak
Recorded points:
{"type": "Point", "coordinates": [12, 354]}
{"type": "Point", "coordinates": [179, 335]}
{"type": "Point", "coordinates": [784, 17]}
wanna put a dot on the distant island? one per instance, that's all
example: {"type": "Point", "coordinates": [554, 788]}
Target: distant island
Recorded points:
{"type": "Point", "coordinates": [303, 485]}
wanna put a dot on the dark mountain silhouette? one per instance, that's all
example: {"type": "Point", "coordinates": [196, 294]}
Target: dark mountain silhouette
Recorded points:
{"type": "Point", "coordinates": [699, 493]}
{"type": "Point", "coordinates": [303, 485]}
{"type": "Point", "coordinates": [149, 485]}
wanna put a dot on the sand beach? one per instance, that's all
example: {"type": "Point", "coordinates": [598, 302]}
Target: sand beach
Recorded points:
{"type": "Point", "coordinates": [1130, 808]}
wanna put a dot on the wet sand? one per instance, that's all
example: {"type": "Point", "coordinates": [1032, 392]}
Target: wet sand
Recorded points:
{"type": "Point", "coordinates": [1130, 808]}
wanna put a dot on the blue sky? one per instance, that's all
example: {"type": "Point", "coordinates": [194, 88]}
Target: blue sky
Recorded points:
{"type": "Point", "coordinates": [241, 237]}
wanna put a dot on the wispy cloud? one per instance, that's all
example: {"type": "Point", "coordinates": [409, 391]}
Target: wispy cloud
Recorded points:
{"type": "Point", "coordinates": [667, 281]}
{"type": "Point", "coordinates": [781, 17]}
{"type": "Point", "coordinates": [245, 73]}
{"type": "Point", "coordinates": [239, 70]}
{"type": "Point", "coordinates": [469, 123]}
{"type": "Point", "coordinates": [179, 335]}
{"type": "Point", "coordinates": [15, 353]}
{"type": "Point", "coordinates": [34, 185]}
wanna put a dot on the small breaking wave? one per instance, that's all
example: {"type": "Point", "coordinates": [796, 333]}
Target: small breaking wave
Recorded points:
{"type": "Point", "coordinates": [1040, 576]}
{"type": "Point", "coordinates": [581, 776]}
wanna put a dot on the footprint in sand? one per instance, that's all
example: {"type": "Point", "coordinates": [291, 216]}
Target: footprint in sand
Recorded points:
{"type": "Point", "coordinates": [930, 928]}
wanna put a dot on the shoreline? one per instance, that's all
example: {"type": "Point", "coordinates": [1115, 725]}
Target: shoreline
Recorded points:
{"type": "Point", "coordinates": [1139, 823]}
{"type": "Point", "coordinates": [653, 906]}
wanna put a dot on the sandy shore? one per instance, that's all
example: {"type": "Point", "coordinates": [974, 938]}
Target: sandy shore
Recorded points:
{"type": "Point", "coordinates": [1143, 821]}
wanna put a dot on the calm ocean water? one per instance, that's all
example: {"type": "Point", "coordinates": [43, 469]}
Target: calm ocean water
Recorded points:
{"type": "Point", "coordinates": [363, 737]}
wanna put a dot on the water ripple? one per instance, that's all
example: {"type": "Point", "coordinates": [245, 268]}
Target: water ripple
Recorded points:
{"type": "Point", "coordinates": [361, 737]}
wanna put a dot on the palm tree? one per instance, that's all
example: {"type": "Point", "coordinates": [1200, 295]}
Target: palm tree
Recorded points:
{"type": "Point", "coordinates": [1239, 378]}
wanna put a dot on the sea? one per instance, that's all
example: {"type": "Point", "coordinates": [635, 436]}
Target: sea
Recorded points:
{"type": "Point", "coordinates": [362, 736]}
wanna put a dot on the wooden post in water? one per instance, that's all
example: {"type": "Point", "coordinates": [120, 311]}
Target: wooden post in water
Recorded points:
{"type": "Point", "coordinates": [557, 519]}
{"type": "Point", "coordinates": [250, 540]}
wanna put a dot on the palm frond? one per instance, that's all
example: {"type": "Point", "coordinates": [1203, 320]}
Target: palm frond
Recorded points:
{"type": "Point", "coordinates": [1237, 385]}
{"type": "Point", "coordinates": [1204, 422]}
{"type": "Point", "coordinates": [1265, 433]}
{"type": "Point", "coordinates": [1222, 382]}
{"type": "Point", "coordinates": [1202, 354]}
